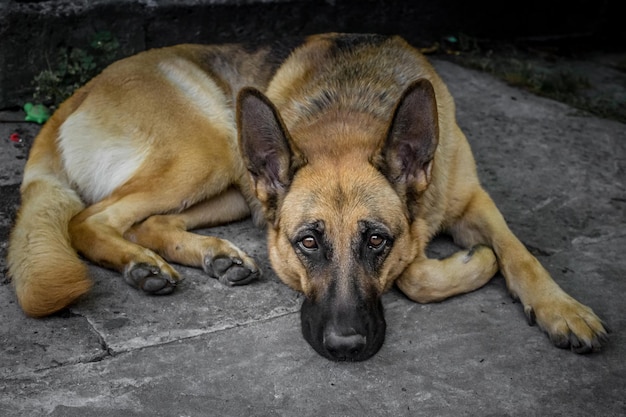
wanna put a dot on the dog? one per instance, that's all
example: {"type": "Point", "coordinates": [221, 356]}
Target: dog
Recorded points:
{"type": "Point", "coordinates": [345, 147]}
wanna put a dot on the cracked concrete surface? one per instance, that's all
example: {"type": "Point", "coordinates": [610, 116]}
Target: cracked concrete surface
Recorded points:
{"type": "Point", "coordinates": [557, 174]}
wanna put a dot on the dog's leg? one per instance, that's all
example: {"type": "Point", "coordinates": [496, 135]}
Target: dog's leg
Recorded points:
{"type": "Point", "coordinates": [168, 235]}
{"type": "Point", "coordinates": [429, 280]}
{"type": "Point", "coordinates": [567, 322]}
{"type": "Point", "coordinates": [97, 233]}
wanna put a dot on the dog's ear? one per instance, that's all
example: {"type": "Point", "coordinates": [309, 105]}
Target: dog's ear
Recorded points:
{"type": "Point", "coordinates": [266, 149]}
{"type": "Point", "coordinates": [406, 156]}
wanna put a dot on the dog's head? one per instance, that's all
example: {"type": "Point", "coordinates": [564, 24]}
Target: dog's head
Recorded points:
{"type": "Point", "coordinates": [341, 218]}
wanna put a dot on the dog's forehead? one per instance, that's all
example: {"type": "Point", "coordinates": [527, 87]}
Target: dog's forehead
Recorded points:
{"type": "Point", "coordinates": [341, 196]}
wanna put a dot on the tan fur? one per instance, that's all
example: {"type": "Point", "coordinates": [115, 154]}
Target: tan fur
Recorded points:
{"type": "Point", "coordinates": [149, 150]}
{"type": "Point", "coordinates": [339, 138]}
{"type": "Point", "coordinates": [189, 154]}
{"type": "Point", "coordinates": [356, 135]}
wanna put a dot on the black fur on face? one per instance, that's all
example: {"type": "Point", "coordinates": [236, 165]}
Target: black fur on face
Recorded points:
{"type": "Point", "coordinates": [343, 331]}
{"type": "Point", "coordinates": [343, 319]}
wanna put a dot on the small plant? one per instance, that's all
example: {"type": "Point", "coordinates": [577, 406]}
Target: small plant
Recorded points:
{"type": "Point", "coordinates": [74, 67]}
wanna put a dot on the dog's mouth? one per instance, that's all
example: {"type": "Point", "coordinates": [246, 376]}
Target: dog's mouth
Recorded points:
{"type": "Point", "coordinates": [343, 333]}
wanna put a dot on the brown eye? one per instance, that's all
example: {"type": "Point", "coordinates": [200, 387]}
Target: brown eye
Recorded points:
{"type": "Point", "coordinates": [376, 241]}
{"type": "Point", "coordinates": [309, 243]}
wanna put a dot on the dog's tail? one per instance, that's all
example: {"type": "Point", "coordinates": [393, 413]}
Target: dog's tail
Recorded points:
{"type": "Point", "coordinates": [45, 270]}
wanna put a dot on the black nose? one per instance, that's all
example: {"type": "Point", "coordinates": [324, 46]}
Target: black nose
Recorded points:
{"type": "Point", "coordinates": [343, 331]}
{"type": "Point", "coordinates": [344, 347]}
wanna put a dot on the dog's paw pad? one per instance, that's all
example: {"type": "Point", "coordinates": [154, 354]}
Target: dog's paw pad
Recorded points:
{"type": "Point", "coordinates": [150, 279]}
{"type": "Point", "coordinates": [231, 270]}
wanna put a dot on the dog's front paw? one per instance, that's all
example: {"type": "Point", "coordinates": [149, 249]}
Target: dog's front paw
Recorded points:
{"type": "Point", "coordinates": [150, 278]}
{"type": "Point", "coordinates": [231, 270]}
{"type": "Point", "coordinates": [569, 323]}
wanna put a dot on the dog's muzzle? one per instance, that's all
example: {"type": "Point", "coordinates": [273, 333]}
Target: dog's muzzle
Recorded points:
{"type": "Point", "coordinates": [341, 332]}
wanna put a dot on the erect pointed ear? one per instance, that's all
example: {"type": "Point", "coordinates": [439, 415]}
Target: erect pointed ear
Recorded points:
{"type": "Point", "coordinates": [265, 146]}
{"type": "Point", "coordinates": [406, 156]}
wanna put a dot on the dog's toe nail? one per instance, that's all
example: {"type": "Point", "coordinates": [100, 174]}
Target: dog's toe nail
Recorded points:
{"type": "Point", "coordinates": [530, 316]}
{"type": "Point", "coordinates": [560, 340]}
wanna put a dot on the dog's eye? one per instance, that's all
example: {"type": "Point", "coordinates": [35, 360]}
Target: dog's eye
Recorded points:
{"type": "Point", "coordinates": [376, 241]}
{"type": "Point", "coordinates": [309, 243]}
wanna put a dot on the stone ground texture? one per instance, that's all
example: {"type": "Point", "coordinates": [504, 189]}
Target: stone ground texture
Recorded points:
{"type": "Point", "coordinates": [557, 174]}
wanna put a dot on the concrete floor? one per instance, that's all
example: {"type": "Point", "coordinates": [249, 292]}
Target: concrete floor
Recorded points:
{"type": "Point", "coordinates": [558, 175]}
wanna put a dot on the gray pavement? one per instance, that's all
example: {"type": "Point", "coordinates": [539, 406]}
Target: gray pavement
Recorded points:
{"type": "Point", "coordinates": [558, 175]}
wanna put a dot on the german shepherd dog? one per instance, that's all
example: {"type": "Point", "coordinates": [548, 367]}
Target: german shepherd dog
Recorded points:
{"type": "Point", "coordinates": [347, 149]}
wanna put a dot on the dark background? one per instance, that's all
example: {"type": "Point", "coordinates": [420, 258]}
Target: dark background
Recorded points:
{"type": "Point", "coordinates": [31, 31]}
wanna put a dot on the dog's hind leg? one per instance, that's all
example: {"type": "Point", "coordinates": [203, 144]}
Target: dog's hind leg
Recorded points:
{"type": "Point", "coordinates": [168, 235]}
{"type": "Point", "coordinates": [567, 322]}
{"type": "Point", "coordinates": [430, 280]}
